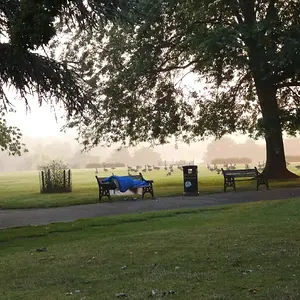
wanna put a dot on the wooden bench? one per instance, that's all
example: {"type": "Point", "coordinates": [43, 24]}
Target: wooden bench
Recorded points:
{"type": "Point", "coordinates": [106, 187]}
{"type": "Point", "coordinates": [231, 175]}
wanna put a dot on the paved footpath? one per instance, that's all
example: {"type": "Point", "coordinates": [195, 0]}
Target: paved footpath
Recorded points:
{"type": "Point", "coordinates": [40, 216]}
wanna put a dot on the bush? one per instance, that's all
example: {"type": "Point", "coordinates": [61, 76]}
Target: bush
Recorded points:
{"type": "Point", "coordinates": [232, 160]}
{"type": "Point", "coordinates": [54, 178]}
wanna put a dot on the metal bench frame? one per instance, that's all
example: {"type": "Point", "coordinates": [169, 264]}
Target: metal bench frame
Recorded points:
{"type": "Point", "coordinates": [231, 175]}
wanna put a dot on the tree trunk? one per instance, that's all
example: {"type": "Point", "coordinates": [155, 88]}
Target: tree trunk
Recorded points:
{"type": "Point", "coordinates": [275, 163]}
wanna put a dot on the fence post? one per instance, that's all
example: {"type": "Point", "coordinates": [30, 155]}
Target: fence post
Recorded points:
{"type": "Point", "coordinates": [69, 179]}
{"type": "Point", "coordinates": [55, 182]}
{"type": "Point", "coordinates": [49, 183]}
{"type": "Point", "coordinates": [64, 179]}
{"type": "Point", "coordinates": [43, 181]}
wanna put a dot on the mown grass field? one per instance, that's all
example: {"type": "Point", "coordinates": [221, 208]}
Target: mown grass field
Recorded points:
{"type": "Point", "coordinates": [248, 251]}
{"type": "Point", "coordinates": [22, 190]}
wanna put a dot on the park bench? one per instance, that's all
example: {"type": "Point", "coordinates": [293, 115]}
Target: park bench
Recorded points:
{"type": "Point", "coordinates": [106, 187]}
{"type": "Point", "coordinates": [231, 175]}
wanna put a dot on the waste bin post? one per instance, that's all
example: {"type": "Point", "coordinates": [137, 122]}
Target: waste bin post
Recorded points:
{"type": "Point", "coordinates": [190, 180]}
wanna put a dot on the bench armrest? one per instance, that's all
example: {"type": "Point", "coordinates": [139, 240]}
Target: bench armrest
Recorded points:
{"type": "Point", "coordinates": [150, 181]}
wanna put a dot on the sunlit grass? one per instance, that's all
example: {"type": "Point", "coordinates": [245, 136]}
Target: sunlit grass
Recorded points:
{"type": "Point", "coordinates": [248, 251]}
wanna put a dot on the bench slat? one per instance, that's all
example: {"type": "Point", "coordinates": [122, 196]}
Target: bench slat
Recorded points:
{"type": "Point", "coordinates": [241, 173]}
{"type": "Point", "coordinates": [230, 175]}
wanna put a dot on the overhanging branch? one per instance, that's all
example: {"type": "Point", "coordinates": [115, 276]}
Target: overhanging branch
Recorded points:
{"type": "Point", "coordinates": [234, 7]}
{"type": "Point", "coordinates": [171, 68]}
{"type": "Point", "coordinates": [294, 93]}
{"type": "Point", "coordinates": [288, 84]}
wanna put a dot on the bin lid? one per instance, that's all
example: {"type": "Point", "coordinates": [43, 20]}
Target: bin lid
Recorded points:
{"type": "Point", "coordinates": [190, 166]}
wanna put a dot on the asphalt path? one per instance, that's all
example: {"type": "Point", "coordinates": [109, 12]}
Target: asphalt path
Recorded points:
{"type": "Point", "coordinates": [42, 216]}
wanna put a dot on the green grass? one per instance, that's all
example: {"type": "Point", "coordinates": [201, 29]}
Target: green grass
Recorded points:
{"type": "Point", "coordinates": [21, 189]}
{"type": "Point", "coordinates": [248, 251]}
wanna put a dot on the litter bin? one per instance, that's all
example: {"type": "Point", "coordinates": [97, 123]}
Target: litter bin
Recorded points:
{"type": "Point", "coordinates": [190, 180]}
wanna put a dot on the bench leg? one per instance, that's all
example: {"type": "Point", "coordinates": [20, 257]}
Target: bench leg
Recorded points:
{"type": "Point", "coordinates": [103, 193]}
{"type": "Point", "coordinates": [262, 181]}
{"type": "Point", "coordinates": [149, 190]}
{"type": "Point", "coordinates": [229, 182]}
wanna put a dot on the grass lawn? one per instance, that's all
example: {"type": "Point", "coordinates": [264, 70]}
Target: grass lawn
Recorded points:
{"type": "Point", "coordinates": [248, 251]}
{"type": "Point", "coordinates": [22, 190]}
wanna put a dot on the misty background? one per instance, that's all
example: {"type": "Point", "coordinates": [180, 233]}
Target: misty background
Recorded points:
{"type": "Point", "coordinates": [43, 150]}
{"type": "Point", "coordinates": [44, 140]}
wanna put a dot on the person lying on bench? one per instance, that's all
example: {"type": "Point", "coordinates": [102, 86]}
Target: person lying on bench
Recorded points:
{"type": "Point", "coordinates": [125, 183]}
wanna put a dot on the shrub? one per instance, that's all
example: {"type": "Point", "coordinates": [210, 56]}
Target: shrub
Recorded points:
{"type": "Point", "coordinates": [55, 178]}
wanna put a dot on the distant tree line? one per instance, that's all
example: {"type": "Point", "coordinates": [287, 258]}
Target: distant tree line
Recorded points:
{"type": "Point", "coordinates": [180, 162]}
{"type": "Point", "coordinates": [105, 165]}
{"type": "Point", "coordinates": [43, 151]}
{"type": "Point", "coordinates": [226, 148]}
{"type": "Point", "coordinates": [231, 160]}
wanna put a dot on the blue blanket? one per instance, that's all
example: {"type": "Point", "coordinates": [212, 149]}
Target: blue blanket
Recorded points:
{"type": "Point", "coordinates": [126, 182]}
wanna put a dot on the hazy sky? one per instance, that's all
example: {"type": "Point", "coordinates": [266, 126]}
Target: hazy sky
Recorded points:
{"type": "Point", "coordinates": [39, 122]}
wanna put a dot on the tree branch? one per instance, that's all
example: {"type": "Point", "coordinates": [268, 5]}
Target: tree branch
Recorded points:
{"type": "Point", "coordinates": [271, 11]}
{"type": "Point", "coordinates": [235, 89]}
{"type": "Point", "coordinates": [288, 84]}
{"type": "Point", "coordinates": [294, 93]}
{"type": "Point", "coordinates": [248, 11]}
{"type": "Point", "coordinates": [182, 77]}
{"type": "Point", "coordinates": [234, 7]}
{"type": "Point", "coordinates": [171, 68]}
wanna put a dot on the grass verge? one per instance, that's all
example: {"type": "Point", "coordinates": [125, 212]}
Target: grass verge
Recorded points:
{"type": "Point", "coordinates": [248, 251]}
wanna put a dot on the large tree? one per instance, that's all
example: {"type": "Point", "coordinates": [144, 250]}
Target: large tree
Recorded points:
{"type": "Point", "coordinates": [26, 28]}
{"type": "Point", "coordinates": [245, 51]}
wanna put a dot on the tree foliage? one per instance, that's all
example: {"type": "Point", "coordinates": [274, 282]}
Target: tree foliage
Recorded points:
{"type": "Point", "coordinates": [26, 27]}
{"type": "Point", "coordinates": [10, 138]}
{"type": "Point", "coordinates": [54, 166]}
{"type": "Point", "coordinates": [234, 47]}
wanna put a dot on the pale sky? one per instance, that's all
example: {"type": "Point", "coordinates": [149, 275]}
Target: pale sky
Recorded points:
{"type": "Point", "coordinates": [39, 122]}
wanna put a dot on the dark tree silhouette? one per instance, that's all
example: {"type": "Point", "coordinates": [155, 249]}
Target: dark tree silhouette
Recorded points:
{"type": "Point", "coordinates": [27, 26]}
